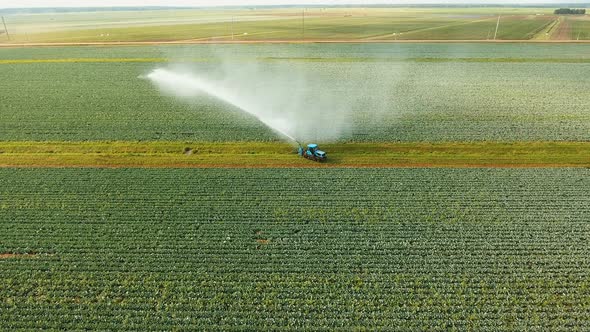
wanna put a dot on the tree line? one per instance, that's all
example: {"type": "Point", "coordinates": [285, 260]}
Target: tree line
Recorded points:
{"type": "Point", "coordinates": [569, 11]}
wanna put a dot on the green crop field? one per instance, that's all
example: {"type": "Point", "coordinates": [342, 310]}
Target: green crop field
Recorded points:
{"type": "Point", "coordinates": [142, 187]}
{"type": "Point", "coordinates": [513, 27]}
{"type": "Point", "coordinates": [580, 29]}
{"type": "Point", "coordinates": [392, 92]}
{"type": "Point", "coordinates": [420, 249]}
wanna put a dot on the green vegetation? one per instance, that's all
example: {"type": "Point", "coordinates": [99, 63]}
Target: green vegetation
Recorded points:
{"type": "Point", "coordinates": [455, 198]}
{"type": "Point", "coordinates": [421, 92]}
{"type": "Point", "coordinates": [569, 11]}
{"type": "Point", "coordinates": [580, 29]}
{"type": "Point", "coordinates": [281, 24]}
{"type": "Point", "coordinates": [510, 28]}
{"type": "Point", "coordinates": [250, 154]}
{"type": "Point", "coordinates": [418, 249]}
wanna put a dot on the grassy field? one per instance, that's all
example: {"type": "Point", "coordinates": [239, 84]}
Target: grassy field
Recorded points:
{"type": "Point", "coordinates": [283, 24]}
{"type": "Point", "coordinates": [249, 154]}
{"type": "Point", "coordinates": [401, 92]}
{"type": "Point", "coordinates": [580, 29]}
{"type": "Point", "coordinates": [512, 27]}
{"type": "Point", "coordinates": [418, 249]}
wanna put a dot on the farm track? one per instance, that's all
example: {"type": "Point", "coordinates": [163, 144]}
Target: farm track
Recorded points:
{"type": "Point", "coordinates": [295, 59]}
{"type": "Point", "coordinates": [286, 41]}
{"type": "Point", "coordinates": [546, 31]}
{"type": "Point", "coordinates": [563, 31]}
{"type": "Point", "coordinates": [281, 155]}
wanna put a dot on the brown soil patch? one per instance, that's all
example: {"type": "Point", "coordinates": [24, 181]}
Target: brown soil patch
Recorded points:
{"type": "Point", "coordinates": [564, 31]}
{"type": "Point", "coordinates": [262, 241]}
{"type": "Point", "coordinates": [11, 255]}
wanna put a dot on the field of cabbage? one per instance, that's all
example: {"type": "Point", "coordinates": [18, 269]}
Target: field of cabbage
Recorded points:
{"type": "Point", "coordinates": [395, 92]}
{"type": "Point", "coordinates": [415, 249]}
{"type": "Point", "coordinates": [90, 247]}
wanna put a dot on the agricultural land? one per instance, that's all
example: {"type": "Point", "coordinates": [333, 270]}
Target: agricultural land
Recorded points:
{"type": "Point", "coordinates": [293, 24]}
{"type": "Point", "coordinates": [456, 194]}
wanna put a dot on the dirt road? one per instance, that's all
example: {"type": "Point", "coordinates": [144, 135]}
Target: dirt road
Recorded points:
{"type": "Point", "coordinates": [273, 41]}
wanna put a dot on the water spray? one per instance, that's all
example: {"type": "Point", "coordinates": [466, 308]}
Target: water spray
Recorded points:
{"type": "Point", "coordinates": [187, 85]}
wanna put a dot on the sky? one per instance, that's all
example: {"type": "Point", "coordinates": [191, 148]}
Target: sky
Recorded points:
{"type": "Point", "coordinates": [119, 3]}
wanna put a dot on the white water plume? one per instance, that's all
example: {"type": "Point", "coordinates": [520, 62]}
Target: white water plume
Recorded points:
{"type": "Point", "coordinates": [300, 98]}
{"type": "Point", "coordinates": [188, 85]}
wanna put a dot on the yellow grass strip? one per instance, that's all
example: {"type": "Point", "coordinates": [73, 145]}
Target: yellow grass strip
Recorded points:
{"type": "Point", "coordinates": [278, 154]}
{"type": "Point", "coordinates": [95, 60]}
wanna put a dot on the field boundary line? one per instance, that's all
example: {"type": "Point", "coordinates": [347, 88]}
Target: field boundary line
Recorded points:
{"type": "Point", "coordinates": [81, 60]}
{"type": "Point", "coordinates": [294, 59]}
{"type": "Point", "coordinates": [173, 154]}
{"type": "Point", "coordinates": [295, 41]}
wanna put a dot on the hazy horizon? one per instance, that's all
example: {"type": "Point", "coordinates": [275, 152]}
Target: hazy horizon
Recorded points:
{"type": "Point", "coordinates": [223, 3]}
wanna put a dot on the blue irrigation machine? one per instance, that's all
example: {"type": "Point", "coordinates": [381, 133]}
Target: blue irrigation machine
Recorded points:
{"type": "Point", "coordinates": [312, 152]}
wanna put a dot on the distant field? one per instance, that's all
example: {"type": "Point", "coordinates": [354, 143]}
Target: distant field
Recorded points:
{"type": "Point", "coordinates": [286, 24]}
{"type": "Point", "coordinates": [409, 92]}
{"type": "Point", "coordinates": [45, 22]}
{"type": "Point", "coordinates": [418, 249]}
{"type": "Point", "coordinates": [511, 28]}
{"type": "Point", "coordinates": [580, 29]}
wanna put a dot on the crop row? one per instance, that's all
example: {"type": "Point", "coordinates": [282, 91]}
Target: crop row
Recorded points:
{"type": "Point", "coordinates": [373, 96]}
{"type": "Point", "coordinates": [286, 51]}
{"type": "Point", "coordinates": [416, 249]}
